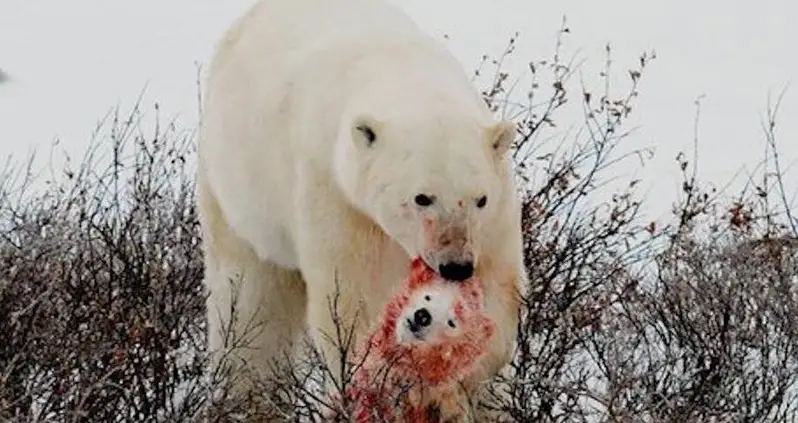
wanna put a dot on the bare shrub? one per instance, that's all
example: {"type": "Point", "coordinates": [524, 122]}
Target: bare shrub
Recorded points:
{"type": "Point", "coordinates": [100, 286]}
{"type": "Point", "coordinates": [102, 308]}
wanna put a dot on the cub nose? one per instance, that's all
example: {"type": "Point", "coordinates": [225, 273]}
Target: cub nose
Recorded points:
{"type": "Point", "coordinates": [456, 271]}
{"type": "Point", "coordinates": [422, 318]}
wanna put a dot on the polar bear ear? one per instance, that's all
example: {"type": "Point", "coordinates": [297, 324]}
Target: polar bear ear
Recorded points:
{"type": "Point", "coordinates": [365, 131]}
{"type": "Point", "coordinates": [501, 135]}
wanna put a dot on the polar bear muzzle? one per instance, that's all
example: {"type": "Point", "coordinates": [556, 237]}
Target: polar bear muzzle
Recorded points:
{"type": "Point", "coordinates": [448, 248]}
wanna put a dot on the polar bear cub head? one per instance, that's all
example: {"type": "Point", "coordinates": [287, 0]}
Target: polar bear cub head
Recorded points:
{"type": "Point", "coordinates": [433, 181]}
{"type": "Point", "coordinates": [439, 312]}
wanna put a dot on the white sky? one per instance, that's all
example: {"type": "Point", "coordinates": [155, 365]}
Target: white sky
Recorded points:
{"type": "Point", "coordinates": [71, 61]}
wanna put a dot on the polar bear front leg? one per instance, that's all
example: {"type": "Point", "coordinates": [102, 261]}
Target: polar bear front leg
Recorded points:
{"type": "Point", "coordinates": [342, 257]}
{"type": "Point", "coordinates": [503, 296]}
{"type": "Point", "coordinates": [255, 309]}
{"type": "Point", "coordinates": [337, 319]}
{"type": "Point", "coordinates": [338, 312]}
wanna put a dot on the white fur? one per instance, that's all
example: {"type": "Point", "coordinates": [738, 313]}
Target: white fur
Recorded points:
{"type": "Point", "coordinates": [292, 197]}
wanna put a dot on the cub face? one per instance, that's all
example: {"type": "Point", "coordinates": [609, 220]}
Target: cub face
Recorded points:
{"type": "Point", "coordinates": [440, 312]}
{"type": "Point", "coordinates": [430, 316]}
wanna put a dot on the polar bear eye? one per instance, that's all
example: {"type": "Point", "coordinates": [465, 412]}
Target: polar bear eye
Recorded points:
{"type": "Point", "coordinates": [368, 133]}
{"type": "Point", "coordinates": [482, 201]}
{"type": "Point", "coordinates": [424, 200]}
{"type": "Point", "coordinates": [427, 298]}
{"type": "Point", "coordinates": [451, 324]}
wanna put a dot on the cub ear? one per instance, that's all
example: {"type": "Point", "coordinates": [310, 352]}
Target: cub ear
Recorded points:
{"type": "Point", "coordinates": [500, 136]}
{"type": "Point", "coordinates": [418, 266]}
{"type": "Point", "coordinates": [473, 294]}
{"type": "Point", "coordinates": [365, 131]}
{"type": "Point", "coordinates": [487, 328]}
{"type": "Point", "coordinates": [420, 273]}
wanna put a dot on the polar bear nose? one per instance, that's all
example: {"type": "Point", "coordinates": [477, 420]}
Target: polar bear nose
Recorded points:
{"type": "Point", "coordinates": [456, 271]}
{"type": "Point", "coordinates": [422, 318]}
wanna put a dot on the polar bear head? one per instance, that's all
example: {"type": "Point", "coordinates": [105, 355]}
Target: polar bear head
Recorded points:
{"type": "Point", "coordinates": [434, 181]}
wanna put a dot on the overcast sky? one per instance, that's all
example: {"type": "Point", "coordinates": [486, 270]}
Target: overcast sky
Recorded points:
{"type": "Point", "coordinates": [69, 62]}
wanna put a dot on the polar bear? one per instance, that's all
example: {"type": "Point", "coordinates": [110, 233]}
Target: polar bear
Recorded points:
{"type": "Point", "coordinates": [337, 141]}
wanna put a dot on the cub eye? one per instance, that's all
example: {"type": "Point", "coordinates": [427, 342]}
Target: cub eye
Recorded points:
{"type": "Point", "coordinates": [451, 324]}
{"type": "Point", "coordinates": [427, 298]}
{"type": "Point", "coordinates": [424, 200]}
{"type": "Point", "coordinates": [481, 201]}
